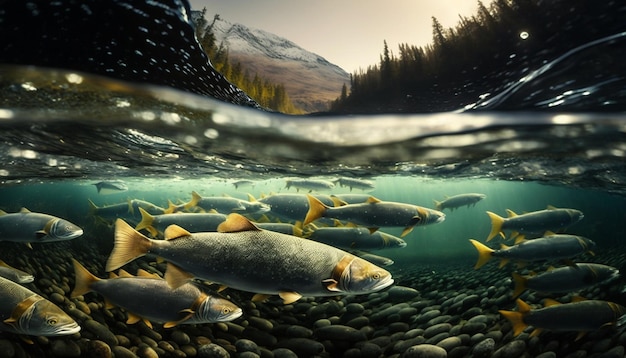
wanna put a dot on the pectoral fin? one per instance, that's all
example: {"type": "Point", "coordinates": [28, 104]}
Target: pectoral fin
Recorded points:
{"type": "Point", "coordinates": [331, 284]}
{"type": "Point", "coordinates": [289, 297]}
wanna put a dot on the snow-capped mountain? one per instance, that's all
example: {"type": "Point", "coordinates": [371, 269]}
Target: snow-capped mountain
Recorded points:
{"type": "Point", "coordinates": [310, 80]}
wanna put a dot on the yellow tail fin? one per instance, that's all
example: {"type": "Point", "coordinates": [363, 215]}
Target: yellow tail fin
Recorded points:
{"type": "Point", "coordinates": [496, 225]}
{"type": "Point", "coordinates": [84, 279]}
{"type": "Point", "coordinates": [520, 284]}
{"type": "Point", "coordinates": [484, 253]}
{"type": "Point", "coordinates": [316, 210]}
{"type": "Point", "coordinates": [129, 245]}
{"type": "Point", "coordinates": [146, 220]}
{"type": "Point", "coordinates": [516, 319]}
{"type": "Point", "coordinates": [195, 199]}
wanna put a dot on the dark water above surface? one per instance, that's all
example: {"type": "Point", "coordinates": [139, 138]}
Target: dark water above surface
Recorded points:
{"type": "Point", "coordinates": [63, 131]}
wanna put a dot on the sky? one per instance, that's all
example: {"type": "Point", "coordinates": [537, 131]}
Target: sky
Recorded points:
{"type": "Point", "coordinates": [348, 33]}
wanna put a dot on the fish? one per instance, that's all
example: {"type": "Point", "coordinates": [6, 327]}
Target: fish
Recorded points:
{"type": "Point", "coordinates": [375, 259]}
{"type": "Point", "coordinates": [351, 198]}
{"type": "Point", "coordinates": [292, 206]}
{"type": "Point", "coordinates": [244, 257]}
{"type": "Point", "coordinates": [536, 222]}
{"type": "Point", "coordinates": [453, 202]}
{"type": "Point", "coordinates": [128, 210]}
{"type": "Point", "coordinates": [565, 279]}
{"type": "Point", "coordinates": [28, 227]}
{"type": "Point", "coordinates": [242, 183]}
{"type": "Point", "coordinates": [194, 222]}
{"type": "Point", "coordinates": [552, 247]}
{"type": "Point", "coordinates": [14, 274]}
{"type": "Point", "coordinates": [350, 238]}
{"type": "Point", "coordinates": [579, 316]}
{"type": "Point", "coordinates": [355, 183]}
{"type": "Point", "coordinates": [285, 228]}
{"type": "Point", "coordinates": [111, 187]}
{"type": "Point", "coordinates": [375, 213]}
{"type": "Point", "coordinates": [136, 41]}
{"type": "Point", "coordinates": [226, 204]}
{"type": "Point", "coordinates": [309, 184]}
{"type": "Point", "coordinates": [149, 298]}
{"type": "Point", "coordinates": [22, 311]}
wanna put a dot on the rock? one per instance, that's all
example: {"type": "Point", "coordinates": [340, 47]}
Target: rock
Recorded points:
{"type": "Point", "coordinates": [262, 338]}
{"type": "Point", "coordinates": [425, 351]}
{"type": "Point", "coordinates": [436, 329]}
{"type": "Point", "coordinates": [64, 348]}
{"type": "Point", "coordinates": [212, 350]}
{"type": "Point", "coordinates": [284, 353]}
{"type": "Point", "coordinates": [99, 349]}
{"type": "Point", "coordinates": [122, 352]}
{"type": "Point", "coordinates": [246, 345]}
{"type": "Point", "coordinates": [401, 293]}
{"type": "Point", "coordinates": [484, 348]}
{"type": "Point", "coordinates": [547, 355]}
{"type": "Point", "coordinates": [615, 352]}
{"type": "Point", "coordinates": [298, 332]}
{"type": "Point", "coordinates": [370, 350]}
{"type": "Point", "coordinates": [179, 337]}
{"type": "Point", "coordinates": [6, 347]}
{"type": "Point", "coordinates": [512, 349]}
{"type": "Point", "coordinates": [340, 333]}
{"type": "Point", "coordinates": [100, 331]}
{"type": "Point", "coordinates": [449, 343]}
{"type": "Point", "coordinates": [303, 347]}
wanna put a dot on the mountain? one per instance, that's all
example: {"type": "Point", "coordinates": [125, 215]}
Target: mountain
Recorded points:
{"type": "Point", "coordinates": [310, 80]}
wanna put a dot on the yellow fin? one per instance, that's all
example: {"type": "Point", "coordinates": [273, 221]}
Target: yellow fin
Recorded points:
{"type": "Point", "coordinates": [578, 298]}
{"type": "Point", "coordinates": [129, 245]}
{"type": "Point", "coordinates": [520, 284]}
{"type": "Point", "coordinates": [548, 302]}
{"type": "Point", "coordinates": [84, 279]}
{"type": "Point", "coordinates": [372, 200]}
{"type": "Point", "coordinates": [510, 213]}
{"type": "Point", "coordinates": [175, 276]}
{"type": "Point", "coordinates": [260, 297]}
{"type": "Point", "coordinates": [516, 319]}
{"type": "Point", "coordinates": [195, 199]}
{"type": "Point", "coordinates": [144, 273]}
{"type": "Point", "coordinates": [289, 297]}
{"type": "Point", "coordinates": [174, 231]}
{"type": "Point", "coordinates": [251, 198]}
{"type": "Point", "coordinates": [551, 207]}
{"type": "Point", "coordinates": [535, 332]}
{"type": "Point", "coordinates": [2, 212]}
{"type": "Point", "coordinates": [146, 220]}
{"type": "Point", "coordinates": [484, 253]}
{"type": "Point", "coordinates": [503, 263]}
{"type": "Point", "coordinates": [132, 318]}
{"type": "Point", "coordinates": [337, 202]}
{"type": "Point", "coordinates": [522, 306]}
{"type": "Point", "coordinates": [24, 211]}
{"type": "Point", "coordinates": [404, 232]}
{"type": "Point", "coordinates": [4, 264]}
{"type": "Point", "coordinates": [580, 335]}
{"type": "Point", "coordinates": [317, 209]}
{"type": "Point", "coordinates": [496, 225]}
{"type": "Point", "coordinates": [123, 273]}
{"type": "Point", "coordinates": [237, 223]}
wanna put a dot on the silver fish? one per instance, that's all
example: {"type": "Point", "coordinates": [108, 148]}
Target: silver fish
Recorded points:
{"type": "Point", "coordinates": [453, 202]}
{"type": "Point", "coordinates": [111, 187]}
{"type": "Point", "coordinates": [28, 227]}
{"type": "Point", "coordinates": [14, 274]}
{"type": "Point", "coordinates": [536, 222]}
{"type": "Point", "coordinates": [244, 257]}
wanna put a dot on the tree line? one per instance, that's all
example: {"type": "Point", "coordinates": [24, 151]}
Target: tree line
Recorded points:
{"type": "Point", "coordinates": [482, 53]}
{"type": "Point", "coordinates": [266, 93]}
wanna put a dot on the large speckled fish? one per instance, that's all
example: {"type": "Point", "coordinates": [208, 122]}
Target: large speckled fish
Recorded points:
{"type": "Point", "coordinates": [22, 311]}
{"type": "Point", "coordinates": [14, 274]}
{"type": "Point", "coordinates": [291, 206]}
{"type": "Point", "coordinates": [376, 213]}
{"type": "Point", "coordinates": [194, 222]}
{"type": "Point", "coordinates": [28, 227]}
{"type": "Point", "coordinates": [580, 316]}
{"type": "Point", "coordinates": [226, 204]}
{"type": "Point", "coordinates": [453, 202]}
{"type": "Point", "coordinates": [244, 257]}
{"type": "Point", "coordinates": [536, 222]}
{"type": "Point", "coordinates": [139, 41]}
{"type": "Point", "coordinates": [150, 298]}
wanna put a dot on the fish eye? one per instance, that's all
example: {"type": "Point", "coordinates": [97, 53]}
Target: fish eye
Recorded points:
{"type": "Point", "coordinates": [225, 310]}
{"type": "Point", "coordinates": [376, 276]}
{"type": "Point", "coordinates": [51, 321]}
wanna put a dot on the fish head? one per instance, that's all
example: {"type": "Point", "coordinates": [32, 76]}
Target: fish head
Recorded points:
{"type": "Point", "coordinates": [215, 309]}
{"type": "Point", "coordinates": [256, 207]}
{"type": "Point", "coordinates": [392, 241]}
{"type": "Point", "coordinates": [60, 230]}
{"type": "Point", "coordinates": [360, 276]}
{"type": "Point", "coordinates": [429, 216]}
{"type": "Point", "coordinates": [44, 318]}
{"type": "Point", "coordinates": [576, 215]}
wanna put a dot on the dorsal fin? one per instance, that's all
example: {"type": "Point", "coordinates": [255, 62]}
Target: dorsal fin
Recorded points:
{"type": "Point", "coordinates": [522, 306]}
{"type": "Point", "coordinates": [24, 211]}
{"type": "Point", "coordinates": [236, 223]}
{"type": "Point", "coordinates": [174, 232]}
{"type": "Point", "coordinates": [373, 200]}
{"type": "Point", "coordinates": [577, 298]}
{"type": "Point", "coordinates": [2, 212]}
{"type": "Point", "coordinates": [549, 233]}
{"type": "Point", "coordinates": [510, 213]}
{"type": "Point", "coordinates": [175, 276]}
{"type": "Point", "coordinates": [551, 207]}
{"type": "Point", "coordinates": [251, 198]}
{"type": "Point", "coordinates": [122, 273]}
{"type": "Point", "coordinates": [144, 273]}
{"type": "Point", "coordinates": [548, 302]}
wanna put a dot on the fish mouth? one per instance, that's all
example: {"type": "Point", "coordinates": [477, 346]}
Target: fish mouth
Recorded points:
{"type": "Point", "coordinates": [74, 234]}
{"type": "Point", "coordinates": [383, 284]}
{"type": "Point", "coordinates": [440, 218]}
{"type": "Point", "coordinates": [68, 329]}
{"type": "Point", "coordinates": [402, 244]}
{"type": "Point", "coordinates": [235, 314]}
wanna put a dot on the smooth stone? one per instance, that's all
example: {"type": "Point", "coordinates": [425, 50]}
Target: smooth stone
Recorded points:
{"type": "Point", "coordinates": [615, 352]}
{"type": "Point", "coordinates": [427, 316]}
{"type": "Point", "coordinates": [298, 332]}
{"type": "Point", "coordinates": [248, 355]}
{"type": "Point", "coordinates": [546, 355]}
{"type": "Point", "coordinates": [101, 332]}
{"type": "Point", "coordinates": [459, 352]}
{"type": "Point", "coordinates": [123, 352]}
{"type": "Point", "coordinates": [473, 328]}
{"type": "Point", "coordinates": [99, 349]}
{"type": "Point", "coordinates": [340, 333]}
{"type": "Point", "coordinates": [437, 338]}
{"type": "Point", "coordinates": [64, 348]}
{"type": "Point", "coordinates": [484, 348]}
{"type": "Point", "coordinates": [246, 345]}
{"type": "Point", "coordinates": [512, 349]}
{"type": "Point", "coordinates": [402, 293]}
{"type": "Point", "coordinates": [449, 343]}
{"type": "Point", "coordinates": [212, 350]}
{"type": "Point", "coordinates": [321, 323]}
{"type": "Point", "coordinates": [260, 323]}
{"type": "Point", "coordinates": [262, 338]}
{"type": "Point", "coordinates": [425, 351]}
{"type": "Point", "coordinates": [398, 327]}
{"type": "Point", "coordinates": [602, 346]}
{"type": "Point", "coordinates": [355, 308]}
{"type": "Point", "coordinates": [436, 329]}
{"type": "Point", "coordinates": [6, 347]}
{"type": "Point", "coordinates": [370, 350]}
{"type": "Point", "coordinates": [304, 347]}
{"type": "Point", "coordinates": [179, 337]}
{"type": "Point", "coordinates": [57, 298]}
{"type": "Point", "coordinates": [358, 322]}
{"type": "Point", "coordinates": [284, 353]}
{"type": "Point", "coordinates": [402, 346]}
{"type": "Point", "coordinates": [147, 352]}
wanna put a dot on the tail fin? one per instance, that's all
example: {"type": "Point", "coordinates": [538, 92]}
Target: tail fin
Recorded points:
{"type": "Point", "coordinates": [520, 284]}
{"type": "Point", "coordinates": [496, 225]}
{"type": "Point", "coordinates": [437, 205]}
{"type": "Point", "coordinates": [516, 319]}
{"type": "Point", "coordinates": [146, 220]}
{"type": "Point", "coordinates": [484, 253]}
{"type": "Point", "coordinates": [317, 209]}
{"type": "Point", "coordinates": [195, 199]}
{"type": "Point", "coordinates": [93, 208]}
{"type": "Point", "coordinates": [84, 279]}
{"type": "Point", "coordinates": [129, 245]}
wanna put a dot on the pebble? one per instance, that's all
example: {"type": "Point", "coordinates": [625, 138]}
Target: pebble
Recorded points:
{"type": "Point", "coordinates": [212, 350]}
{"type": "Point", "coordinates": [340, 333]}
{"type": "Point", "coordinates": [100, 332]}
{"type": "Point", "coordinates": [425, 351]}
{"type": "Point", "coordinates": [123, 352]}
{"type": "Point", "coordinates": [484, 348]}
{"type": "Point", "coordinates": [65, 348]}
{"type": "Point", "coordinates": [512, 349]}
{"type": "Point", "coordinates": [303, 347]}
